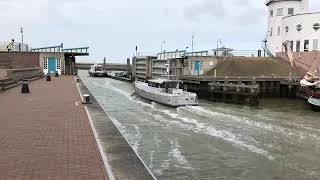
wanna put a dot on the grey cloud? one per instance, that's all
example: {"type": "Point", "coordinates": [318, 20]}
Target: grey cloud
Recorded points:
{"type": "Point", "coordinates": [196, 11]}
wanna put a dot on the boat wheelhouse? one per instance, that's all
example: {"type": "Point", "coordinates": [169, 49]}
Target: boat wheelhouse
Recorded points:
{"type": "Point", "coordinates": [166, 92]}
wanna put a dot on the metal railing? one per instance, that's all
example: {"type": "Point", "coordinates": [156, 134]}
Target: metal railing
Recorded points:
{"type": "Point", "coordinates": [77, 50]}
{"type": "Point", "coordinates": [48, 49]}
{"type": "Point", "coordinates": [83, 50]}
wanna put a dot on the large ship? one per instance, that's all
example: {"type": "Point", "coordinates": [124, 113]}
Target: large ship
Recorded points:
{"type": "Point", "coordinates": [310, 84]}
{"type": "Point", "coordinates": [166, 92]}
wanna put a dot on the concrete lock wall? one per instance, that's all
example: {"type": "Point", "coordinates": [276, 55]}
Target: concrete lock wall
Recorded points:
{"type": "Point", "coordinates": [19, 74]}
{"type": "Point", "coordinates": [18, 60]}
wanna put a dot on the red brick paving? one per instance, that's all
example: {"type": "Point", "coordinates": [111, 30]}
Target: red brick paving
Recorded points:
{"type": "Point", "coordinates": [45, 135]}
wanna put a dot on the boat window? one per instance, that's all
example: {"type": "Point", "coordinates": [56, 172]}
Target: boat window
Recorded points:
{"type": "Point", "coordinates": [98, 68]}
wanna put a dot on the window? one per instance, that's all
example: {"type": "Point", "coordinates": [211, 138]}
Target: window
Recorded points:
{"type": "Point", "coordinates": [45, 63]}
{"type": "Point", "coordinates": [271, 31]}
{"type": "Point", "coordinates": [287, 28]}
{"type": "Point", "coordinates": [58, 64]}
{"type": "Point", "coordinates": [315, 44]}
{"type": "Point", "coordinates": [280, 12]}
{"type": "Point", "coordinates": [306, 45]}
{"type": "Point", "coordinates": [298, 46]}
{"type": "Point", "coordinates": [316, 26]}
{"type": "Point", "coordinates": [299, 27]}
{"type": "Point", "coordinates": [291, 45]}
{"type": "Point", "coordinates": [279, 30]}
{"type": "Point", "coordinates": [271, 13]}
{"type": "Point", "coordinates": [290, 11]}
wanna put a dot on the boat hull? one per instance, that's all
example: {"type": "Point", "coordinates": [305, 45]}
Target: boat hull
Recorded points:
{"type": "Point", "coordinates": [169, 100]}
{"type": "Point", "coordinates": [315, 103]}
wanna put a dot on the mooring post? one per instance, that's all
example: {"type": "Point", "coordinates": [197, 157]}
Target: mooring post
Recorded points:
{"type": "Point", "coordinates": [128, 67]}
{"type": "Point", "coordinates": [86, 99]}
{"type": "Point", "coordinates": [48, 77]}
{"type": "Point", "coordinates": [25, 86]}
{"type": "Point", "coordinates": [56, 74]}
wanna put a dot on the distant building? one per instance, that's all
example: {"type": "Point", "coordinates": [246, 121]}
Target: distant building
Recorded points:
{"type": "Point", "coordinates": [223, 51]}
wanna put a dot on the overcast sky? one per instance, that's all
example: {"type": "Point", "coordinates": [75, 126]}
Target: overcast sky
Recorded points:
{"type": "Point", "coordinates": [112, 28]}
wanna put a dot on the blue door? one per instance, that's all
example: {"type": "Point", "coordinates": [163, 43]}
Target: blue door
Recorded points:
{"type": "Point", "coordinates": [196, 68]}
{"type": "Point", "coordinates": [52, 65]}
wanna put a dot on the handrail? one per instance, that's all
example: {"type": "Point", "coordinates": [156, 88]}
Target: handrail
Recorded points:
{"type": "Point", "coordinates": [77, 50]}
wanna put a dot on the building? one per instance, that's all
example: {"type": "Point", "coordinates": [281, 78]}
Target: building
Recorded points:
{"type": "Point", "coordinates": [172, 65]}
{"type": "Point", "coordinates": [57, 59]}
{"type": "Point", "coordinates": [49, 59]}
{"type": "Point", "coordinates": [290, 20]}
{"type": "Point", "coordinates": [223, 51]}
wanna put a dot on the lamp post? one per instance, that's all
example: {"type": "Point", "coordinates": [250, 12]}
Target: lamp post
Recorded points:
{"type": "Point", "coordinates": [219, 41]}
{"type": "Point", "coordinates": [192, 42]}
{"type": "Point", "coordinates": [21, 31]}
{"type": "Point", "coordinates": [162, 43]}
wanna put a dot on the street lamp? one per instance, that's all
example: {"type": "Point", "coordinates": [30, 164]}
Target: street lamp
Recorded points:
{"type": "Point", "coordinates": [219, 41]}
{"type": "Point", "coordinates": [21, 31]}
{"type": "Point", "coordinates": [192, 42]}
{"type": "Point", "coordinates": [162, 43]}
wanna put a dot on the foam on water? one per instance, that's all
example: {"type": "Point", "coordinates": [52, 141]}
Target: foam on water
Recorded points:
{"type": "Point", "coordinates": [251, 123]}
{"type": "Point", "coordinates": [222, 134]}
{"type": "Point", "coordinates": [137, 138]}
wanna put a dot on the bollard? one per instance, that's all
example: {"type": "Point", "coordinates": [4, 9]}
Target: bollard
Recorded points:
{"type": "Point", "coordinates": [25, 87]}
{"type": "Point", "coordinates": [57, 74]}
{"type": "Point", "coordinates": [86, 99]}
{"type": "Point", "coordinates": [77, 80]}
{"type": "Point", "coordinates": [48, 77]}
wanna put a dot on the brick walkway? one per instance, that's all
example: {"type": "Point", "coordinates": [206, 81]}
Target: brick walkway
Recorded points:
{"type": "Point", "coordinates": [45, 135]}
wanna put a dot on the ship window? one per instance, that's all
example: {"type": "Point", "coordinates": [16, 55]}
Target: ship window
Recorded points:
{"type": "Point", "coordinates": [290, 11]}
{"type": "Point", "coordinates": [271, 31]}
{"type": "Point", "coordinates": [271, 13]}
{"type": "Point", "coordinates": [280, 12]}
{"type": "Point", "coordinates": [287, 28]}
{"type": "Point", "coordinates": [298, 46]}
{"type": "Point", "coordinates": [316, 26]}
{"type": "Point", "coordinates": [279, 30]}
{"type": "Point", "coordinates": [299, 27]}
{"type": "Point", "coordinates": [315, 44]}
{"type": "Point", "coordinates": [291, 45]}
{"type": "Point", "coordinates": [306, 45]}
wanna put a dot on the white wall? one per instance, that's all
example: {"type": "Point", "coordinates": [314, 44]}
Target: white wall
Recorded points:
{"type": "Point", "coordinates": [307, 33]}
{"type": "Point", "coordinates": [274, 42]}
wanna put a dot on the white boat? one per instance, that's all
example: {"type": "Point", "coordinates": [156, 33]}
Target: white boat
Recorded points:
{"type": "Point", "coordinates": [166, 92]}
{"type": "Point", "coordinates": [97, 70]}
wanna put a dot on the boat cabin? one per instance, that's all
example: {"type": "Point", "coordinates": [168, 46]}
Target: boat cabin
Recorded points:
{"type": "Point", "coordinates": [168, 86]}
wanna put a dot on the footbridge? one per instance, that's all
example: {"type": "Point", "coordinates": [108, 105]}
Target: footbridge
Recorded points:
{"type": "Point", "coordinates": [109, 66]}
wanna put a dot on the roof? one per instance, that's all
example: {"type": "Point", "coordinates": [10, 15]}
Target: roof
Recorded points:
{"type": "Point", "coordinates": [268, 2]}
{"type": "Point", "coordinates": [223, 49]}
{"type": "Point", "coordinates": [160, 81]}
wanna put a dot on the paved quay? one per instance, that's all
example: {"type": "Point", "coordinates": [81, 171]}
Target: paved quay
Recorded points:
{"type": "Point", "coordinates": [47, 134]}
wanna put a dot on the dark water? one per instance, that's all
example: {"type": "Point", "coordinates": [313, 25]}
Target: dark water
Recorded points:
{"type": "Point", "coordinates": [278, 140]}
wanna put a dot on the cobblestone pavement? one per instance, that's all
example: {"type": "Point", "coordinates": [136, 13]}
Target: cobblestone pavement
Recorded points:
{"type": "Point", "coordinates": [46, 134]}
